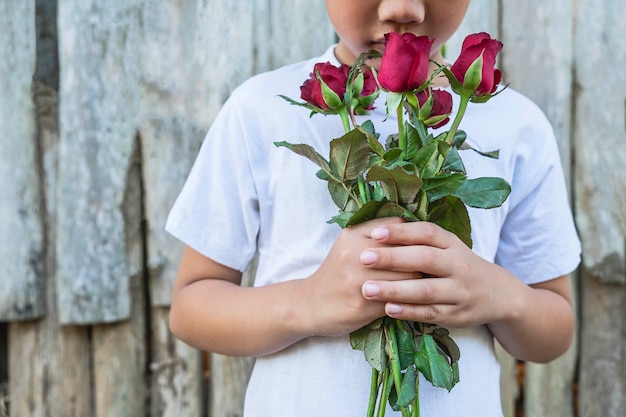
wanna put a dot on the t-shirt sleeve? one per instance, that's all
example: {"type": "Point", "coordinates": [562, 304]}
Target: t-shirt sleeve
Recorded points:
{"type": "Point", "coordinates": [538, 240]}
{"type": "Point", "coordinates": [216, 212]}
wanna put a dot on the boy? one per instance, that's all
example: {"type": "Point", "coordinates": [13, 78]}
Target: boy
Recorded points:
{"type": "Point", "coordinates": [316, 283]}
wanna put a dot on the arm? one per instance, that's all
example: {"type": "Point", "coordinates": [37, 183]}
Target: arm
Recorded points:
{"type": "Point", "coordinates": [212, 312]}
{"type": "Point", "coordinates": [533, 323]}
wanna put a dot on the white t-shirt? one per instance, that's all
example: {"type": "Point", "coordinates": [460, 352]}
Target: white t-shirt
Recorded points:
{"type": "Point", "coordinates": [245, 195]}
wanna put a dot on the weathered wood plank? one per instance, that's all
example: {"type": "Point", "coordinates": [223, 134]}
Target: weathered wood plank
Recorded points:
{"type": "Point", "coordinates": [177, 382]}
{"type": "Point", "coordinates": [98, 47]}
{"type": "Point", "coordinates": [289, 31]}
{"type": "Point", "coordinates": [49, 371]}
{"type": "Point", "coordinates": [120, 350]}
{"type": "Point", "coordinates": [21, 230]}
{"type": "Point", "coordinates": [600, 136]}
{"type": "Point", "coordinates": [537, 61]}
{"type": "Point", "coordinates": [187, 73]}
{"type": "Point", "coordinates": [602, 387]}
{"type": "Point", "coordinates": [229, 379]}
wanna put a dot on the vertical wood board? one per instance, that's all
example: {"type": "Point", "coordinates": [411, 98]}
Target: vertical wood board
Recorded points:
{"type": "Point", "coordinates": [187, 74]}
{"type": "Point", "coordinates": [120, 350]}
{"type": "Point", "coordinates": [537, 61]}
{"type": "Point", "coordinates": [49, 372]}
{"type": "Point", "coordinates": [21, 229]}
{"type": "Point", "coordinates": [176, 373]}
{"type": "Point", "coordinates": [600, 137]}
{"type": "Point", "coordinates": [98, 49]}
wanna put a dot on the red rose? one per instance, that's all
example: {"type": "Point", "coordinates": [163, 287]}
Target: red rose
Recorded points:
{"type": "Point", "coordinates": [335, 78]}
{"type": "Point", "coordinates": [436, 112]}
{"type": "Point", "coordinates": [474, 46]}
{"type": "Point", "coordinates": [404, 65]}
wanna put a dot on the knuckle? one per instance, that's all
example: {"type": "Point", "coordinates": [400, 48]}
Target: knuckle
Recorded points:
{"type": "Point", "coordinates": [429, 292]}
{"type": "Point", "coordinates": [429, 230]}
{"type": "Point", "coordinates": [431, 313]}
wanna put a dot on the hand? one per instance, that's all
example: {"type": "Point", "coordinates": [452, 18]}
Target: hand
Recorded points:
{"type": "Point", "coordinates": [333, 297]}
{"type": "Point", "coordinates": [459, 289]}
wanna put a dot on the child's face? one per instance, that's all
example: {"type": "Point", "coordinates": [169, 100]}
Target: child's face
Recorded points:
{"type": "Point", "coordinates": [362, 24]}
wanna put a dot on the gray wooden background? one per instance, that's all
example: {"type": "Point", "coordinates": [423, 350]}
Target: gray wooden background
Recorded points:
{"type": "Point", "coordinates": [103, 106]}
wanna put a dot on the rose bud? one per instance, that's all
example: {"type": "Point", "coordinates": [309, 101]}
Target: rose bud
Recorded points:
{"type": "Point", "coordinates": [435, 107]}
{"type": "Point", "coordinates": [404, 64]}
{"type": "Point", "coordinates": [364, 92]}
{"type": "Point", "coordinates": [475, 67]}
{"type": "Point", "coordinates": [326, 86]}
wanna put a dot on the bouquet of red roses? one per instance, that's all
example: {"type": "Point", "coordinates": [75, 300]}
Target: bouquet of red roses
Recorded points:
{"type": "Point", "coordinates": [414, 175]}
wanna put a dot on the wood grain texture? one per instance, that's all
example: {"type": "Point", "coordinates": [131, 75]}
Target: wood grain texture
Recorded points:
{"type": "Point", "coordinates": [177, 382]}
{"type": "Point", "coordinates": [537, 61]}
{"type": "Point", "coordinates": [49, 364]}
{"type": "Point", "coordinates": [600, 137]}
{"type": "Point", "coordinates": [21, 228]}
{"type": "Point", "coordinates": [98, 49]}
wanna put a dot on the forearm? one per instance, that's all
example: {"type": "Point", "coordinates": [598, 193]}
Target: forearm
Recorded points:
{"type": "Point", "coordinates": [223, 317]}
{"type": "Point", "coordinates": [538, 325]}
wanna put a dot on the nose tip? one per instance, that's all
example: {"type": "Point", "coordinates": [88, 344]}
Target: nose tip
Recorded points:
{"type": "Point", "coordinates": [401, 12]}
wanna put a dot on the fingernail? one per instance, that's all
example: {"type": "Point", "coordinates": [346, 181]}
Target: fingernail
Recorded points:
{"type": "Point", "coordinates": [370, 290]}
{"type": "Point", "coordinates": [393, 309]}
{"type": "Point", "coordinates": [379, 233]}
{"type": "Point", "coordinates": [368, 257]}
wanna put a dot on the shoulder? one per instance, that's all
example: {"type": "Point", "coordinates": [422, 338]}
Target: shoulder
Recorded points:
{"type": "Point", "coordinates": [511, 122]}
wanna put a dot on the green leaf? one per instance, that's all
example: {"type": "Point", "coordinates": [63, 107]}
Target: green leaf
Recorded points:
{"type": "Point", "coordinates": [433, 364]}
{"type": "Point", "coordinates": [485, 192]}
{"type": "Point", "coordinates": [459, 138]}
{"type": "Point", "coordinates": [426, 159]}
{"type": "Point", "coordinates": [400, 187]}
{"type": "Point", "coordinates": [453, 162]}
{"type": "Point", "coordinates": [340, 195]}
{"type": "Point", "coordinates": [421, 130]}
{"type": "Point", "coordinates": [374, 349]}
{"type": "Point", "coordinates": [413, 141]}
{"type": "Point", "coordinates": [358, 337]}
{"type": "Point", "coordinates": [349, 155]}
{"type": "Point", "coordinates": [442, 185]}
{"type": "Point", "coordinates": [308, 152]}
{"type": "Point", "coordinates": [406, 346]}
{"type": "Point", "coordinates": [451, 214]}
{"type": "Point", "coordinates": [392, 102]}
{"type": "Point", "coordinates": [372, 138]}
{"type": "Point", "coordinates": [376, 210]}
{"type": "Point", "coordinates": [489, 154]}
{"type": "Point", "coordinates": [392, 154]}
{"type": "Point", "coordinates": [341, 219]}
{"type": "Point", "coordinates": [446, 344]}
{"type": "Point", "coordinates": [407, 388]}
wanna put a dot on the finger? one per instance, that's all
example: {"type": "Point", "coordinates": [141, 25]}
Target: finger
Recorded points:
{"type": "Point", "coordinates": [431, 313]}
{"type": "Point", "coordinates": [365, 229]}
{"type": "Point", "coordinates": [412, 233]}
{"type": "Point", "coordinates": [426, 259]}
{"type": "Point", "coordinates": [426, 291]}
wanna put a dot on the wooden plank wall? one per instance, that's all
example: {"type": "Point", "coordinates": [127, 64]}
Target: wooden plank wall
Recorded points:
{"type": "Point", "coordinates": [103, 109]}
